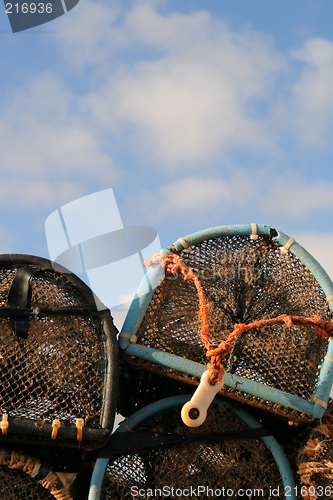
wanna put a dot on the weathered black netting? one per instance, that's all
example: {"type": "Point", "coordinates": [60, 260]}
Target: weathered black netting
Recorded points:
{"type": "Point", "coordinates": [243, 280]}
{"type": "Point", "coordinates": [16, 485]}
{"type": "Point", "coordinates": [139, 388]}
{"type": "Point", "coordinates": [233, 464]}
{"type": "Point", "coordinates": [58, 371]}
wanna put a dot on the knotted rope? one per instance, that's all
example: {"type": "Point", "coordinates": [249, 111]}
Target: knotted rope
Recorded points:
{"type": "Point", "coordinates": [15, 460]}
{"type": "Point", "coordinates": [314, 448]}
{"type": "Point", "coordinates": [308, 469]}
{"type": "Point", "coordinates": [28, 465]}
{"type": "Point", "coordinates": [52, 482]}
{"type": "Point", "coordinates": [173, 264]}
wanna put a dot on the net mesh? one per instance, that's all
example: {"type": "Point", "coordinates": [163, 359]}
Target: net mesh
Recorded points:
{"type": "Point", "coordinates": [57, 371]}
{"type": "Point", "coordinates": [16, 485]}
{"type": "Point", "coordinates": [139, 388]}
{"type": "Point", "coordinates": [233, 464]}
{"type": "Point", "coordinates": [243, 281]}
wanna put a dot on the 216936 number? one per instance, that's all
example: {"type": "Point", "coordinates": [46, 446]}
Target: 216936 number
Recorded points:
{"type": "Point", "coordinates": [309, 491]}
{"type": "Point", "coordinates": [32, 8]}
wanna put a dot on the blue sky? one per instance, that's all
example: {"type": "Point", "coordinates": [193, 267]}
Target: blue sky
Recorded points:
{"type": "Point", "coordinates": [196, 113]}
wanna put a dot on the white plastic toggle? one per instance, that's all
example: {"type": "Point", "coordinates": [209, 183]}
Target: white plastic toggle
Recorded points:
{"type": "Point", "coordinates": [201, 401]}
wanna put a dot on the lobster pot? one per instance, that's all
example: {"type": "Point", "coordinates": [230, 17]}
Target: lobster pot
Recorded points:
{"type": "Point", "coordinates": [58, 357]}
{"type": "Point", "coordinates": [247, 273]}
{"type": "Point", "coordinates": [239, 464]}
{"type": "Point", "coordinates": [23, 477]}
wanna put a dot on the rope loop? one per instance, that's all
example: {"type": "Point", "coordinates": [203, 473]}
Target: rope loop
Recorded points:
{"type": "Point", "coordinates": [173, 264]}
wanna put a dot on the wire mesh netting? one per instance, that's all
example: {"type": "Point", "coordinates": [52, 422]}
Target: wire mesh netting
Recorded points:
{"type": "Point", "coordinates": [243, 280]}
{"type": "Point", "coordinates": [16, 485]}
{"type": "Point", "coordinates": [233, 464]}
{"type": "Point", "coordinates": [60, 369]}
{"type": "Point", "coordinates": [139, 388]}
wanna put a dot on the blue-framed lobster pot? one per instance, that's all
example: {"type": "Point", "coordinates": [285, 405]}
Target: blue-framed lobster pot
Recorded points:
{"type": "Point", "coordinates": [264, 392]}
{"type": "Point", "coordinates": [282, 462]}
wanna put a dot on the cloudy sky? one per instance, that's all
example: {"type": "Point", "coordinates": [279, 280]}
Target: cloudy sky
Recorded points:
{"type": "Point", "coordinates": [196, 113]}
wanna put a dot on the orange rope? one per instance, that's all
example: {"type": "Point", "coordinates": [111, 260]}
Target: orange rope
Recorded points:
{"type": "Point", "coordinates": [173, 264]}
{"type": "Point", "coordinates": [323, 328]}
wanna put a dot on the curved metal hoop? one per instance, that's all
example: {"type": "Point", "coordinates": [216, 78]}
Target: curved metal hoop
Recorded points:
{"type": "Point", "coordinates": [175, 401]}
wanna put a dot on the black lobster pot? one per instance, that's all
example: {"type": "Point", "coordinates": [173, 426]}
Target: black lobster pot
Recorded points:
{"type": "Point", "coordinates": [58, 359]}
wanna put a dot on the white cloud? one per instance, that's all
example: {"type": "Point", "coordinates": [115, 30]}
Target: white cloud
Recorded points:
{"type": "Point", "coordinates": [263, 193]}
{"type": "Point", "coordinates": [31, 193]}
{"type": "Point", "coordinates": [41, 129]}
{"type": "Point", "coordinates": [293, 196]}
{"type": "Point", "coordinates": [187, 91]}
{"type": "Point", "coordinates": [310, 108]}
{"type": "Point", "coordinates": [174, 31]}
{"type": "Point", "coordinates": [96, 31]}
{"type": "Point", "coordinates": [35, 147]}
{"type": "Point", "coordinates": [45, 144]}
{"type": "Point", "coordinates": [195, 97]}
{"type": "Point", "coordinates": [181, 111]}
{"type": "Point", "coordinates": [193, 195]}
{"type": "Point", "coordinates": [184, 88]}
{"type": "Point", "coordinates": [87, 34]}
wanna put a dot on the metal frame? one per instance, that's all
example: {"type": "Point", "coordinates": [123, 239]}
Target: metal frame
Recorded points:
{"type": "Point", "coordinates": [141, 302]}
{"type": "Point", "coordinates": [164, 404]}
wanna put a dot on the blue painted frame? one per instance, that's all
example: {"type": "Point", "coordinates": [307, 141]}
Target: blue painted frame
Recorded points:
{"type": "Point", "coordinates": [141, 302]}
{"type": "Point", "coordinates": [174, 401]}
